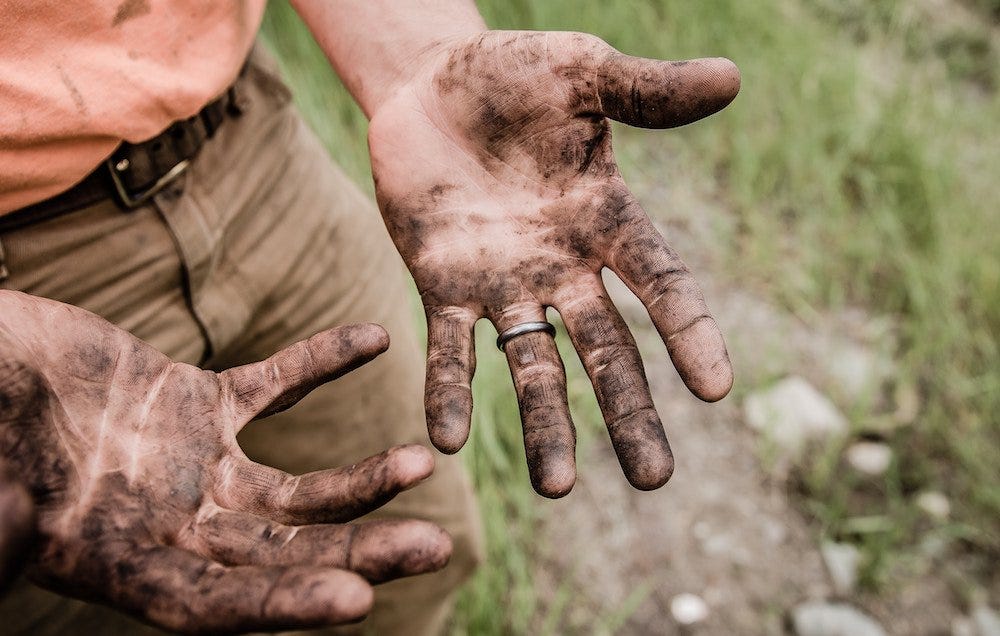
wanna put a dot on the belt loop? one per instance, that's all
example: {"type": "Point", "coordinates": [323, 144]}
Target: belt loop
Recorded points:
{"type": "Point", "coordinates": [237, 100]}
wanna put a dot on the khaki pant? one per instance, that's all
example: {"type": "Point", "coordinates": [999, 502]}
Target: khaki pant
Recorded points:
{"type": "Point", "coordinates": [261, 243]}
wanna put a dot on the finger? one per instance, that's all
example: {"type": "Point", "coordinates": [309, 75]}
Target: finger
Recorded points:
{"type": "Point", "coordinates": [451, 363]}
{"type": "Point", "coordinates": [275, 384]}
{"type": "Point", "coordinates": [180, 591]}
{"type": "Point", "coordinates": [659, 94]}
{"type": "Point", "coordinates": [17, 525]}
{"type": "Point", "coordinates": [378, 550]}
{"type": "Point", "coordinates": [654, 273]}
{"type": "Point", "coordinates": [540, 383]}
{"type": "Point", "coordinates": [612, 361]}
{"type": "Point", "coordinates": [325, 496]}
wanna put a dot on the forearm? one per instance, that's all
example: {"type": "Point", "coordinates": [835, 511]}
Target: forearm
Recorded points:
{"type": "Point", "coordinates": [372, 44]}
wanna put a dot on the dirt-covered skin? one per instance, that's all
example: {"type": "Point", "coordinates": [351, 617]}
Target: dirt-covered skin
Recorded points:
{"type": "Point", "coordinates": [17, 524]}
{"type": "Point", "coordinates": [145, 502]}
{"type": "Point", "coordinates": [496, 178]}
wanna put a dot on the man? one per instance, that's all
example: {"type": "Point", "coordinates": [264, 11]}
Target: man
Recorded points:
{"type": "Point", "coordinates": [227, 235]}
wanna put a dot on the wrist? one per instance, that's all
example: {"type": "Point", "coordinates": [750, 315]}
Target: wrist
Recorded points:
{"type": "Point", "coordinates": [376, 46]}
{"type": "Point", "coordinates": [417, 66]}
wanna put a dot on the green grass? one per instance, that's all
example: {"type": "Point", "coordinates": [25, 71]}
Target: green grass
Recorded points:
{"type": "Point", "coordinates": [860, 165]}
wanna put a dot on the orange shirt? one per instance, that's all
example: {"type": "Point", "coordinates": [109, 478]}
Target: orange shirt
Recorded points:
{"type": "Point", "coordinates": [78, 77]}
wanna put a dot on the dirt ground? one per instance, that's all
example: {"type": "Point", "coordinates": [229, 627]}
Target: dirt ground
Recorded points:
{"type": "Point", "coordinates": [723, 528]}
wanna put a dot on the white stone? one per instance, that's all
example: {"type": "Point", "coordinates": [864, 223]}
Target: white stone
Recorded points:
{"type": "Point", "coordinates": [842, 560]}
{"type": "Point", "coordinates": [818, 618]}
{"type": "Point", "coordinates": [962, 626]}
{"type": "Point", "coordinates": [934, 504]}
{"type": "Point", "coordinates": [792, 413]}
{"type": "Point", "coordinates": [870, 458]}
{"type": "Point", "coordinates": [987, 621]}
{"type": "Point", "coordinates": [775, 531]}
{"type": "Point", "coordinates": [857, 371]}
{"type": "Point", "coordinates": [688, 609]}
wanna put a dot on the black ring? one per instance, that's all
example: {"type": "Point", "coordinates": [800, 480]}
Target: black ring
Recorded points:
{"type": "Point", "coordinates": [524, 328]}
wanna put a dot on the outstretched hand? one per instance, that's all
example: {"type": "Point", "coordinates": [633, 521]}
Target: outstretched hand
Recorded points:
{"type": "Point", "coordinates": [496, 179]}
{"type": "Point", "coordinates": [146, 503]}
{"type": "Point", "coordinates": [17, 523]}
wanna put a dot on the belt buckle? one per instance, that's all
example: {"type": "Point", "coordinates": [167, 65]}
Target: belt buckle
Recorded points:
{"type": "Point", "coordinates": [132, 201]}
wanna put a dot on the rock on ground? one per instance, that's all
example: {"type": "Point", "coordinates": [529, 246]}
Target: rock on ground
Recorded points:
{"type": "Point", "coordinates": [833, 619]}
{"type": "Point", "coordinates": [688, 609]}
{"type": "Point", "coordinates": [841, 561]}
{"type": "Point", "coordinates": [869, 458]}
{"type": "Point", "coordinates": [935, 504]}
{"type": "Point", "coordinates": [793, 413]}
{"type": "Point", "coordinates": [986, 620]}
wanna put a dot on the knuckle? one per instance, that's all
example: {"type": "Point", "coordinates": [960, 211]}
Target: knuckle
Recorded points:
{"type": "Point", "coordinates": [286, 491]}
{"type": "Point", "coordinates": [691, 323]}
{"type": "Point", "coordinates": [605, 354]}
{"type": "Point", "coordinates": [539, 371]}
{"type": "Point", "coordinates": [447, 364]}
{"type": "Point", "coordinates": [446, 350]}
{"type": "Point", "coordinates": [547, 392]}
{"type": "Point", "coordinates": [586, 43]}
{"type": "Point", "coordinates": [625, 418]}
{"type": "Point", "coordinates": [666, 281]}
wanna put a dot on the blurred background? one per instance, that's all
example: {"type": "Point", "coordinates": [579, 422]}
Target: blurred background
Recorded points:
{"type": "Point", "coordinates": [843, 215]}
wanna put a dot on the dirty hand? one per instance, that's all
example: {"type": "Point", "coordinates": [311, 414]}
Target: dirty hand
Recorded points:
{"type": "Point", "coordinates": [17, 522]}
{"type": "Point", "coordinates": [146, 503]}
{"type": "Point", "coordinates": [496, 178]}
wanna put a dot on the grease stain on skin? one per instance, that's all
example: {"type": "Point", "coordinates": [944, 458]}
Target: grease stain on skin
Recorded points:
{"type": "Point", "coordinates": [130, 9]}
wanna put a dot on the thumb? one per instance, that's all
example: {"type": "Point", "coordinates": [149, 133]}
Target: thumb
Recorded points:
{"type": "Point", "coordinates": [659, 94]}
{"type": "Point", "coordinates": [273, 385]}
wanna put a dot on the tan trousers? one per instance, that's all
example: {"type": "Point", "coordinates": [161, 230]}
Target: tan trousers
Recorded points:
{"type": "Point", "coordinates": [262, 242]}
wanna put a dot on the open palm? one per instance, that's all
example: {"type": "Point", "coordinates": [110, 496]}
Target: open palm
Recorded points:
{"type": "Point", "coordinates": [145, 501]}
{"type": "Point", "coordinates": [495, 175]}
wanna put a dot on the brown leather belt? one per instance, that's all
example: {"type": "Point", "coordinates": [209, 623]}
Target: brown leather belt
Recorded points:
{"type": "Point", "coordinates": [135, 172]}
